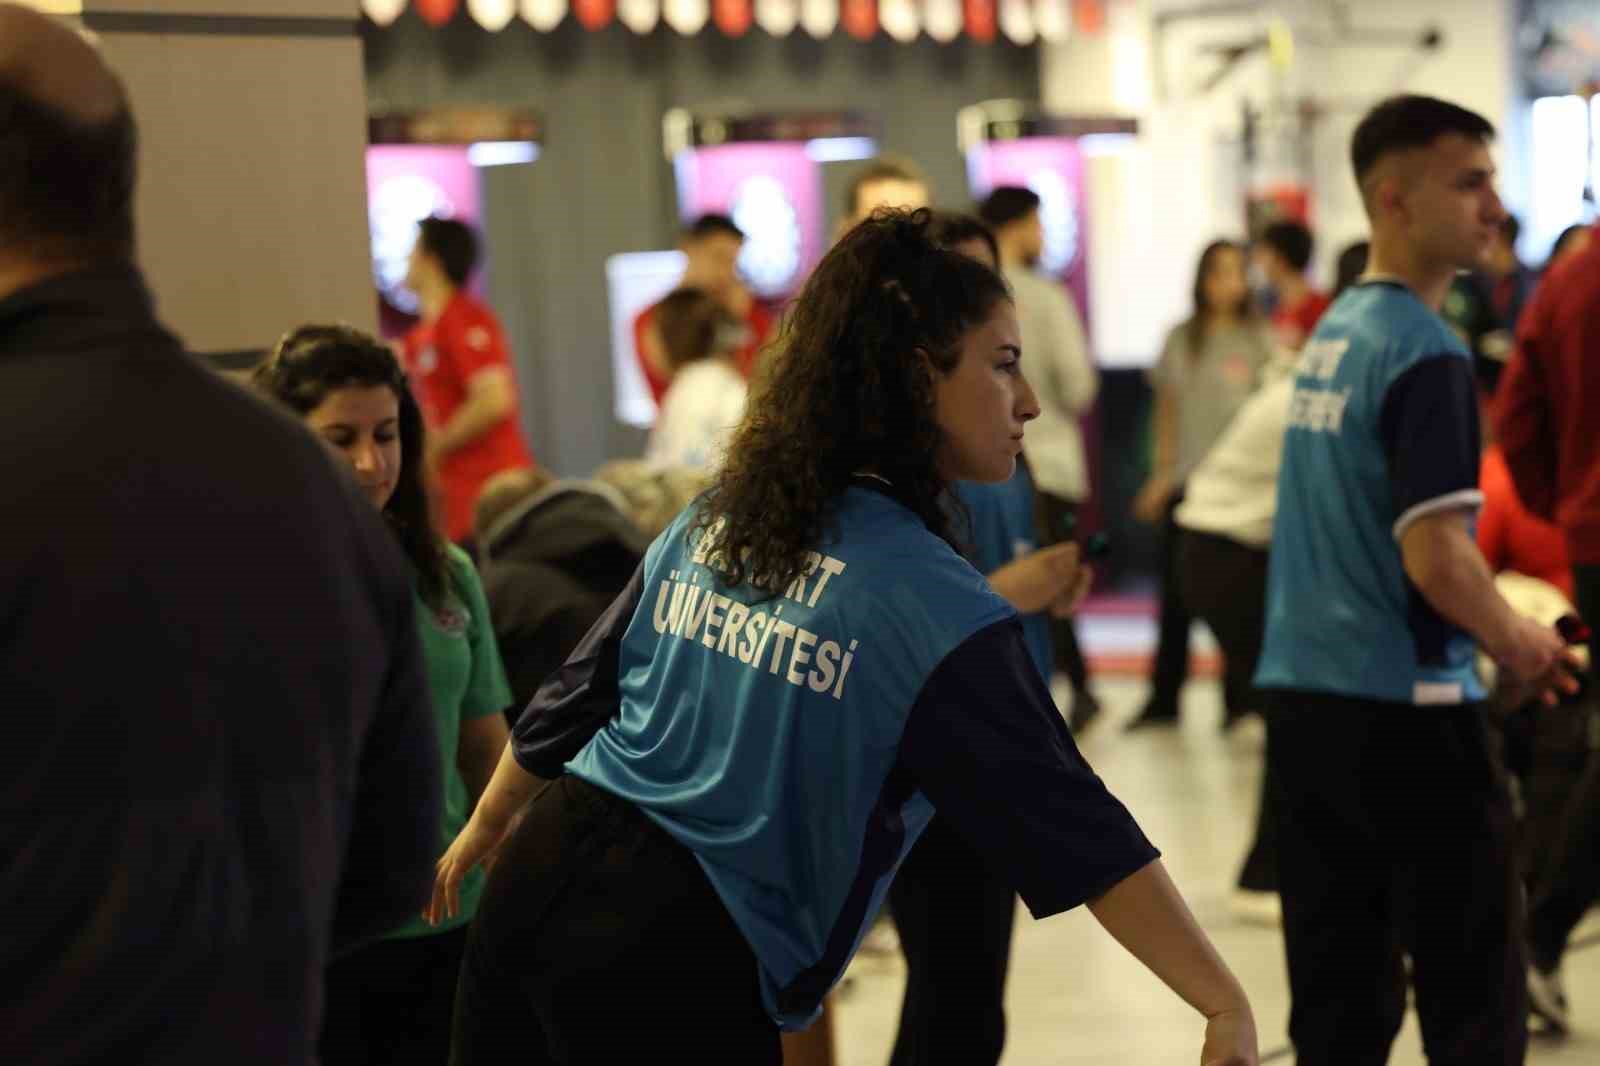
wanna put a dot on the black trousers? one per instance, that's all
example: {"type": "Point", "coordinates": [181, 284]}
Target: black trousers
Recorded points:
{"type": "Point", "coordinates": [1570, 883]}
{"type": "Point", "coordinates": [1171, 667]}
{"type": "Point", "coordinates": [391, 1002]}
{"type": "Point", "coordinates": [1053, 516]}
{"type": "Point", "coordinates": [600, 941]}
{"type": "Point", "coordinates": [955, 922]}
{"type": "Point", "coordinates": [1397, 841]}
{"type": "Point", "coordinates": [1225, 583]}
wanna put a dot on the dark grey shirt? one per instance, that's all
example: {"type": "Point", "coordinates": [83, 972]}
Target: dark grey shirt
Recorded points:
{"type": "Point", "coordinates": [217, 757]}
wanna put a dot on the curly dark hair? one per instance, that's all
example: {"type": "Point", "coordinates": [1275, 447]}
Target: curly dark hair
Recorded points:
{"type": "Point", "coordinates": [313, 361]}
{"type": "Point", "coordinates": [850, 388]}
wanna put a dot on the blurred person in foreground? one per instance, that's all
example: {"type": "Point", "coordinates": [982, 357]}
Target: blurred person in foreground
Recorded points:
{"type": "Point", "coordinates": [220, 765]}
{"type": "Point", "coordinates": [1066, 382]}
{"type": "Point", "coordinates": [1376, 596]}
{"type": "Point", "coordinates": [461, 371]}
{"type": "Point", "coordinates": [1545, 421]}
{"type": "Point", "coordinates": [749, 742]}
{"type": "Point", "coordinates": [390, 1000]}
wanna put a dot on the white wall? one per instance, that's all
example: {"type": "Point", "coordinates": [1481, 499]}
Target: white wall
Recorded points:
{"type": "Point", "coordinates": [1152, 208]}
{"type": "Point", "coordinates": [251, 207]}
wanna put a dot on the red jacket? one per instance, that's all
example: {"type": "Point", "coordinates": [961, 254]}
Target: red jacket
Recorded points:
{"type": "Point", "coordinates": [1511, 538]}
{"type": "Point", "coordinates": [1547, 413]}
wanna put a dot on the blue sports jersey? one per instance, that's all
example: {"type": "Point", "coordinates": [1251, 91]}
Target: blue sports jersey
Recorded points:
{"type": "Point", "coordinates": [1383, 430]}
{"type": "Point", "coordinates": [1002, 530]}
{"type": "Point", "coordinates": [762, 734]}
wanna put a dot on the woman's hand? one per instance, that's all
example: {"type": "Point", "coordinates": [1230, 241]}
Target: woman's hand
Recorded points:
{"type": "Point", "coordinates": [1041, 579]}
{"type": "Point", "coordinates": [1230, 1040]}
{"type": "Point", "coordinates": [1150, 506]}
{"type": "Point", "coordinates": [478, 843]}
{"type": "Point", "coordinates": [1067, 604]}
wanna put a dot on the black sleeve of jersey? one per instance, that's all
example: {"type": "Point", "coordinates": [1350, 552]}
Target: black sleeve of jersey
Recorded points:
{"type": "Point", "coordinates": [580, 697]}
{"type": "Point", "coordinates": [1429, 429]}
{"type": "Point", "coordinates": [985, 743]}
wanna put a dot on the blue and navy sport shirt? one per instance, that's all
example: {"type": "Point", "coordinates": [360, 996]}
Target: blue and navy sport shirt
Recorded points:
{"type": "Point", "coordinates": [1001, 524]}
{"type": "Point", "coordinates": [1383, 431]}
{"type": "Point", "coordinates": [798, 744]}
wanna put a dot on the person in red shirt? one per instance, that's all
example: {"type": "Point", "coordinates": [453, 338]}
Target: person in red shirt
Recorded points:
{"type": "Point", "coordinates": [1545, 420]}
{"type": "Point", "coordinates": [1283, 253]}
{"type": "Point", "coordinates": [1512, 538]}
{"type": "Point", "coordinates": [712, 244]}
{"type": "Point", "coordinates": [458, 360]}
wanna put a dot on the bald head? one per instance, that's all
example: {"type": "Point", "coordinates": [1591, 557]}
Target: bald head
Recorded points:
{"type": "Point", "coordinates": [52, 64]}
{"type": "Point", "coordinates": [67, 146]}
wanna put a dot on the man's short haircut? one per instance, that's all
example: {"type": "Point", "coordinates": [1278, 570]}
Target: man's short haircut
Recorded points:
{"type": "Point", "coordinates": [1291, 240]}
{"type": "Point", "coordinates": [712, 225]}
{"type": "Point", "coordinates": [1403, 123]}
{"type": "Point", "coordinates": [1007, 204]}
{"type": "Point", "coordinates": [66, 186]}
{"type": "Point", "coordinates": [883, 168]}
{"type": "Point", "coordinates": [453, 244]}
{"type": "Point", "coordinates": [951, 228]}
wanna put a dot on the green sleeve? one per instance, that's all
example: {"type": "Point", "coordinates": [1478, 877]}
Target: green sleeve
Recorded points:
{"type": "Point", "coordinates": [488, 692]}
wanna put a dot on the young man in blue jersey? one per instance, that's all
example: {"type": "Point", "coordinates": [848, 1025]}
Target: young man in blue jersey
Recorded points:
{"type": "Point", "coordinates": [1397, 821]}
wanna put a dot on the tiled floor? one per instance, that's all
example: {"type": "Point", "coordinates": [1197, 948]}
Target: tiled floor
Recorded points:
{"type": "Point", "coordinates": [1075, 997]}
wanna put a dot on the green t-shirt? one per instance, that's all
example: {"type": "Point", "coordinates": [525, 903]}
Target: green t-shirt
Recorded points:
{"type": "Point", "coordinates": [467, 681]}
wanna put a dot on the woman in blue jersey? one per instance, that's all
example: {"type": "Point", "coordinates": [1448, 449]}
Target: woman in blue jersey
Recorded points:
{"type": "Point", "coordinates": [743, 750]}
{"type": "Point", "coordinates": [391, 1001]}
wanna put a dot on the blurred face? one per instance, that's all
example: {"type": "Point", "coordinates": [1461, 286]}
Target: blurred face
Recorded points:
{"type": "Point", "coordinates": [982, 404]}
{"type": "Point", "coordinates": [889, 192]}
{"type": "Point", "coordinates": [978, 249]}
{"type": "Point", "coordinates": [1226, 284]}
{"type": "Point", "coordinates": [362, 423]}
{"type": "Point", "coordinates": [1443, 200]}
{"type": "Point", "coordinates": [421, 268]}
{"type": "Point", "coordinates": [1030, 238]}
{"type": "Point", "coordinates": [714, 263]}
{"type": "Point", "coordinates": [1267, 263]}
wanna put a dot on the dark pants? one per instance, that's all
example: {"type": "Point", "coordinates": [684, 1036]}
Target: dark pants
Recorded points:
{"type": "Point", "coordinates": [1570, 883]}
{"type": "Point", "coordinates": [955, 923]}
{"type": "Point", "coordinates": [1171, 667]}
{"type": "Point", "coordinates": [1054, 516]}
{"type": "Point", "coordinates": [391, 1002]}
{"type": "Point", "coordinates": [1225, 583]}
{"type": "Point", "coordinates": [599, 941]}
{"type": "Point", "coordinates": [1397, 841]}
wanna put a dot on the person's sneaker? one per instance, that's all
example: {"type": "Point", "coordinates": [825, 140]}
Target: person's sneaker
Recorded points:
{"type": "Point", "coordinates": [1085, 709]}
{"type": "Point", "coordinates": [1256, 908]}
{"type": "Point", "coordinates": [1547, 999]}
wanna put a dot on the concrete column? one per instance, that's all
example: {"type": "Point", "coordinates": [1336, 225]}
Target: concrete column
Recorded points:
{"type": "Point", "coordinates": [252, 189]}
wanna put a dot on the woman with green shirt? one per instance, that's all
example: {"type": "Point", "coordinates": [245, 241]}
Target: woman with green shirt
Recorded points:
{"type": "Point", "coordinates": [391, 1001]}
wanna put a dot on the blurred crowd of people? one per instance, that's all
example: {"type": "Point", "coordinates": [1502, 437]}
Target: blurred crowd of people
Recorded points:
{"type": "Point", "coordinates": [417, 754]}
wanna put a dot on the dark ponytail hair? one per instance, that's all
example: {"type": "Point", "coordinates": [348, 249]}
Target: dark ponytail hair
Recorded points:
{"type": "Point", "coordinates": [850, 387]}
{"type": "Point", "coordinates": [313, 361]}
